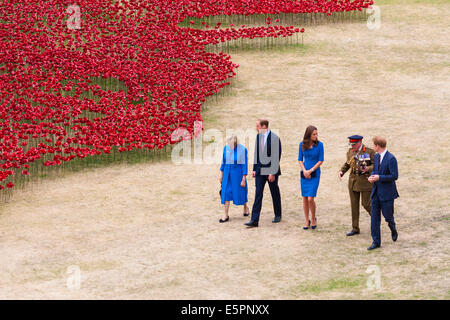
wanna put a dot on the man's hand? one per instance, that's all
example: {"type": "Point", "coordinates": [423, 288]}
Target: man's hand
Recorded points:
{"type": "Point", "coordinates": [254, 174]}
{"type": "Point", "coordinates": [271, 177]}
{"type": "Point", "coordinates": [374, 178]}
{"type": "Point", "coordinates": [340, 174]}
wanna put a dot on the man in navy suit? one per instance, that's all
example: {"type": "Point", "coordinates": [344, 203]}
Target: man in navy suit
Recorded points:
{"type": "Point", "coordinates": [266, 167]}
{"type": "Point", "coordinates": [384, 191]}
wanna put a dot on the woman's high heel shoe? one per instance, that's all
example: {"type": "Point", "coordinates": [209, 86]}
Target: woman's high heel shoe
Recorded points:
{"type": "Point", "coordinates": [226, 220]}
{"type": "Point", "coordinates": [309, 223]}
{"type": "Point", "coordinates": [314, 227]}
{"type": "Point", "coordinates": [246, 214]}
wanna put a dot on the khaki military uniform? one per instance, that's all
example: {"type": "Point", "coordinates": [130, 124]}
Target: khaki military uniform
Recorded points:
{"type": "Point", "coordinates": [358, 184]}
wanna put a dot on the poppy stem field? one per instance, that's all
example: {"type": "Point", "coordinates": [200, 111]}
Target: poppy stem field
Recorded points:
{"type": "Point", "coordinates": [97, 83]}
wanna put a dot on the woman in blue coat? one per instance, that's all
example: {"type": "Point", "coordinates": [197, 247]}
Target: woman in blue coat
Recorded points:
{"type": "Point", "coordinates": [233, 176]}
{"type": "Point", "coordinates": [310, 157]}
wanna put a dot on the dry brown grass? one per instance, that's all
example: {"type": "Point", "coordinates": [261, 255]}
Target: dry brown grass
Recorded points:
{"type": "Point", "coordinates": [150, 231]}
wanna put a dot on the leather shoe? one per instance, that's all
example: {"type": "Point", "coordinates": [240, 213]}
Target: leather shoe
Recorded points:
{"type": "Point", "coordinates": [394, 234]}
{"type": "Point", "coordinates": [309, 223]}
{"type": "Point", "coordinates": [251, 224]}
{"type": "Point", "coordinates": [276, 219]}
{"type": "Point", "coordinates": [352, 233]}
{"type": "Point", "coordinates": [373, 246]}
{"type": "Point", "coordinates": [314, 227]}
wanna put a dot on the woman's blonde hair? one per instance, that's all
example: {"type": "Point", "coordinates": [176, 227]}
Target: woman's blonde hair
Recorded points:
{"type": "Point", "coordinates": [233, 141]}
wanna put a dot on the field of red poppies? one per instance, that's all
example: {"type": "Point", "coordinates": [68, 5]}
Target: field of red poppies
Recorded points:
{"type": "Point", "coordinates": [95, 78]}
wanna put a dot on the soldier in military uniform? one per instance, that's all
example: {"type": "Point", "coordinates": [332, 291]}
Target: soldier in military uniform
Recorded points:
{"type": "Point", "coordinates": [360, 163]}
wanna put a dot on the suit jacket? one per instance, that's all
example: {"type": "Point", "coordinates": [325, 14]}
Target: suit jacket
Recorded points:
{"type": "Point", "coordinates": [265, 164]}
{"type": "Point", "coordinates": [385, 188]}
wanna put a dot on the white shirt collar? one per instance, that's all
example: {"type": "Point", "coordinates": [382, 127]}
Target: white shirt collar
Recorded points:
{"type": "Point", "coordinates": [382, 155]}
{"type": "Point", "coordinates": [266, 135]}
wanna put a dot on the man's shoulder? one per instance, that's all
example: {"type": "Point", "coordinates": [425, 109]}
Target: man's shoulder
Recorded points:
{"type": "Point", "coordinates": [390, 155]}
{"type": "Point", "coordinates": [273, 135]}
{"type": "Point", "coordinates": [369, 150]}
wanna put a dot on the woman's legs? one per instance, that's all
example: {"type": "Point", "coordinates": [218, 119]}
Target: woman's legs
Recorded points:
{"type": "Point", "coordinates": [306, 210]}
{"type": "Point", "coordinates": [312, 207]}
{"type": "Point", "coordinates": [246, 211]}
{"type": "Point", "coordinates": [227, 207]}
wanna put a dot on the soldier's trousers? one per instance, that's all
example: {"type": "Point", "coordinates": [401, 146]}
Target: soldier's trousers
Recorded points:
{"type": "Point", "coordinates": [354, 202]}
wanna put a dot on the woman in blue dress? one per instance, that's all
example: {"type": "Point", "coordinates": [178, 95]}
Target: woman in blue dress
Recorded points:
{"type": "Point", "coordinates": [310, 157]}
{"type": "Point", "coordinates": [233, 176]}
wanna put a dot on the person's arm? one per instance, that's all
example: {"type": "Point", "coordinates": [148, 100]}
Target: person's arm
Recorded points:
{"type": "Point", "coordinates": [244, 169]}
{"type": "Point", "coordinates": [300, 157]}
{"type": "Point", "coordinates": [345, 166]}
{"type": "Point", "coordinates": [223, 159]}
{"type": "Point", "coordinates": [279, 153]}
{"type": "Point", "coordinates": [255, 159]}
{"type": "Point", "coordinates": [372, 161]}
{"type": "Point", "coordinates": [272, 140]}
{"type": "Point", "coordinates": [321, 158]}
{"type": "Point", "coordinates": [302, 166]}
{"type": "Point", "coordinates": [316, 166]}
{"type": "Point", "coordinates": [376, 167]}
{"type": "Point", "coordinates": [279, 141]}
{"type": "Point", "coordinates": [393, 170]}
{"type": "Point", "coordinates": [245, 165]}
{"type": "Point", "coordinates": [222, 167]}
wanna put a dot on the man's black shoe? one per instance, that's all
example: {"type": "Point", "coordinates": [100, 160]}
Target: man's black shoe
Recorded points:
{"type": "Point", "coordinates": [394, 235]}
{"type": "Point", "coordinates": [251, 224]}
{"type": "Point", "coordinates": [276, 219]}
{"type": "Point", "coordinates": [373, 246]}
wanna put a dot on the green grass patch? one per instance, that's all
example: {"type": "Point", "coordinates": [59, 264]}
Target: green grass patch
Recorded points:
{"type": "Point", "coordinates": [317, 287]}
{"type": "Point", "coordinates": [384, 296]}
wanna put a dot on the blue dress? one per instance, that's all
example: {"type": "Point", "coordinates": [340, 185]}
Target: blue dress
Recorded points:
{"type": "Point", "coordinates": [234, 166]}
{"type": "Point", "coordinates": [310, 157]}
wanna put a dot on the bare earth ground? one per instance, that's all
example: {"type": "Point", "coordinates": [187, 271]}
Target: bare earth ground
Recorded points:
{"type": "Point", "coordinates": [151, 231]}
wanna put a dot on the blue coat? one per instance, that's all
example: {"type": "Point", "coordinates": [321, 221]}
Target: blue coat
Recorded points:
{"type": "Point", "coordinates": [234, 166]}
{"type": "Point", "coordinates": [385, 188]}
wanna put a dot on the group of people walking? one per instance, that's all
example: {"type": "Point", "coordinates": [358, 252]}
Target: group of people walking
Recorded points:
{"type": "Point", "coordinates": [373, 173]}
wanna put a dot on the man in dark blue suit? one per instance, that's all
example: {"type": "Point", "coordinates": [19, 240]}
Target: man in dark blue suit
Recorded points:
{"type": "Point", "coordinates": [384, 191]}
{"type": "Point", "coordinates": [266, 168]}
